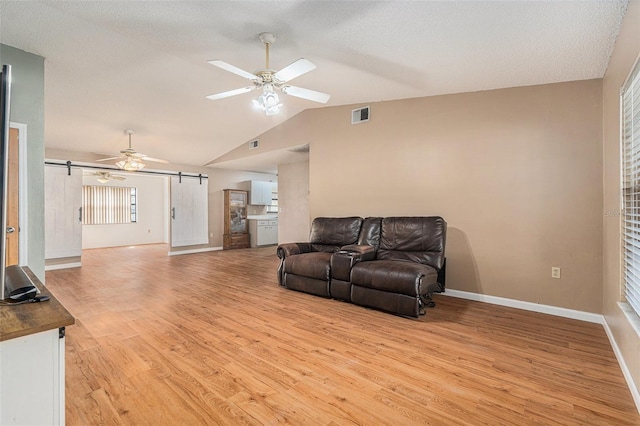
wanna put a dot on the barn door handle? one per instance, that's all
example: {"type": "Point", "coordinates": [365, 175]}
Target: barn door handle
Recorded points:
{"type": "Point", "coordinates": [10, 229]}
{"type": "Point", "coordinates": [80, 214]}
{"type": "Point", "coordinates": [173, 212]}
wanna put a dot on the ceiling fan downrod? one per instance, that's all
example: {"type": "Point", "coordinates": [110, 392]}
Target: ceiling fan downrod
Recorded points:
{"type": "Point", "coordinates": [129, 132]}
{"type": "Point", "coordinates": [267, 39]}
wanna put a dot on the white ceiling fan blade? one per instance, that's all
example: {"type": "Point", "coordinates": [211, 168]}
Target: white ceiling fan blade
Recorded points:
{"type": "Point", "coordinates": [311, 95]}
{"type": "Point", "coordinates": [228, 67]}
{"type": "Point", "coordinates": [296, 69]}
{"type": "Point", "coordinates": [155, 160]}
{"type": "Point", "coordinates": [231, 93]}
{"type": "Point", "coordinates": [107, 159]}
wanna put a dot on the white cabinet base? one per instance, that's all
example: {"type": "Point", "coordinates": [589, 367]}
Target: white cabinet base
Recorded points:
{"type": "Point", "coordinates": [32, 380]}
{"type": "Point", "coordinates": [263, 232]}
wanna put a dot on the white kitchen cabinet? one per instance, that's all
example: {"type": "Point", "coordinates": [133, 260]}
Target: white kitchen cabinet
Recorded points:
{"type": "Point", "coordinates": [32, 361]}
{"type": "Point", "coordinates": [264, 232]}
{"type": "Point", "coordinates": [260, 194]}
{"type": "Point", "coordinates": [32, 387]}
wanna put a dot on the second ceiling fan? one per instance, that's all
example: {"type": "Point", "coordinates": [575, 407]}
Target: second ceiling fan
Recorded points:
{"type": "Point", "coordinates": [131, 160]}
{"type": "Point", "coordinates": [269, 81]}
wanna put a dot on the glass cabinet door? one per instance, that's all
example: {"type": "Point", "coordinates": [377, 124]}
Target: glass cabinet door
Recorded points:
{"type": "Point", "coordinates": [238, 212]}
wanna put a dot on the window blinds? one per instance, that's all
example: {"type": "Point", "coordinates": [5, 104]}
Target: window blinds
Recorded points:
{"type": "Point", "coordinates": [107, 204]}
{"type": "Point", "coordinates": [631, 188]}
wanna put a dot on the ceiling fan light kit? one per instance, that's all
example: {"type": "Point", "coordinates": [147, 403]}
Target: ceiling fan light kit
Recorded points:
{"type": "Point", "coordinates": [130, 159]}
{"type": "Point", "coordinates": [104, 177]}
{"type": "Point", "coordinates": [268, 101]}
{"type": "Point", "coordinates": [270, 81]}
{"type": "Point", "coordinates": [131, 164]}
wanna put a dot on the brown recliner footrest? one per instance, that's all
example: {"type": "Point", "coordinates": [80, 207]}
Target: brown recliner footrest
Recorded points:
{"type": "Point", "coordinates": [395, 276]}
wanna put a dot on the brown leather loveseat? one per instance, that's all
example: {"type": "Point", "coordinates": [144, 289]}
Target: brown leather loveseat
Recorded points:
{"type": "Point", "coordinates": [393, 264]}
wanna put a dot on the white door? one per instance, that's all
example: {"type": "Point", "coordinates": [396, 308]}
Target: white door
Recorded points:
{"type": "Point", "coordinates": [62, 217]}
{"type": "Point", "coordinates": [189, 211]}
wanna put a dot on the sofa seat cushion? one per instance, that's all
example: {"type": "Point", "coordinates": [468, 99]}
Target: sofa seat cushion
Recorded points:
{"type": "Point", "coordinates": [395, 276]}
{"type": "Point", "coordinates": [311, 265]}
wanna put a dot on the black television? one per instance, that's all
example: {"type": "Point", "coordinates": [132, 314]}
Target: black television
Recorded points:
{"type": "Point", "coordinates": [15, 284]}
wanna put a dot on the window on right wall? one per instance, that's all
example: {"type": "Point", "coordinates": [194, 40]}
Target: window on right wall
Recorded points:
{"type": "Point", "coordinates": [630, 168]}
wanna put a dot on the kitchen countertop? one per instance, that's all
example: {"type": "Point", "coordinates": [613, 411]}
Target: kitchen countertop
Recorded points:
{"type": "Point", "coordinates": [31, 318]}
{"type": "Point", "coordinates": [262, 217]}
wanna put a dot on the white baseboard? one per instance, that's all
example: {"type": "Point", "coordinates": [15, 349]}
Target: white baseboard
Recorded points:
{"type": "Point", "coordinates": [200, 250]}
{"type": "Point", "coordinates": [560, 312]}
{"type": "Point", "coordinates": [62, 266]}
{"type": "Point", "coordinates": [623, 366]}
{"type": "Point", "coordinates": [528, 306]}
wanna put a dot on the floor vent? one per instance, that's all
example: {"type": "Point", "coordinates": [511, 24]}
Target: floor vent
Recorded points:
{"type": "Point", "coordinates": [360, 115]}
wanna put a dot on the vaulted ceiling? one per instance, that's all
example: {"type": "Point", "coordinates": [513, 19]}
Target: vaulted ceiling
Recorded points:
{"type": "Point", "coordinates": [142, 65]}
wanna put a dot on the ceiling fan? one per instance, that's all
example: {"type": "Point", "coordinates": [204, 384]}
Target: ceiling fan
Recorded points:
{"type": "Point", "coordinates": [104, 177]}
{"type": "Point", "coordinates": [269, 81]}
{"type": "Point", "coordinates": [130, 159]}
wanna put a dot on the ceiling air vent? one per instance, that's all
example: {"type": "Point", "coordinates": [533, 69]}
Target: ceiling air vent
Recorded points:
{"type": "Point", "coordinates": [253, 144]}
{"type": "Point", "coordinates": [360, 115]}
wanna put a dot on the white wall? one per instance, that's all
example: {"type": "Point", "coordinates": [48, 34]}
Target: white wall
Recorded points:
{"type": "Point", "coordinates": [219, 179]}
{"type": "Point", "coordinates": [152, 222]}
{"type": "Point", "coordinates": [27, 107]}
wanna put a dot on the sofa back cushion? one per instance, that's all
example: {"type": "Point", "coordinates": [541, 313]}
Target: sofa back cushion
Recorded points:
{"type": "Point", "coordinates": [370, 232]}
{"type": "Point", "coordinates": [331, 233]}
{"type": "Point", "coordinates": [416, 239]}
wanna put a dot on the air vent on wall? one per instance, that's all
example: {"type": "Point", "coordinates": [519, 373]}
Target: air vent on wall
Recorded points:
{"type": "Point", "coordinates": [360, 115]}
{"type": "Point", "coordinates": [253, 144]}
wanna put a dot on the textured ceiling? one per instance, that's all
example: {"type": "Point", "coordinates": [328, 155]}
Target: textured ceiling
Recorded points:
{"type": "Point", "coordinates": [114, 65]}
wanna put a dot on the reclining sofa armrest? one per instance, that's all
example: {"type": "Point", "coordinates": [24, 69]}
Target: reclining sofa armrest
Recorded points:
{"type": "Point", "coordinates": [342, 261]}
{"type": "Point", "coordinates": [289, 249]}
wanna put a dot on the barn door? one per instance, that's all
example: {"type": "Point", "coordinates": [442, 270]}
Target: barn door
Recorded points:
{"type": "Point", "coordinates": [63, 212]}
{"type": "Point", "coordinates": [189, 211]}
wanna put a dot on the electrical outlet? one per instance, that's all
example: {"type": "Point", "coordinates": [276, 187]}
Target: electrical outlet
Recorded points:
{"type": "Point", "coordinates": [555, 272]}
{"type": "Point", "coordinates": [211, 235]}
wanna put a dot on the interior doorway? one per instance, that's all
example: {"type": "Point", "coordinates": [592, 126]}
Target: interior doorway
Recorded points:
{"type": "Point", "coordinates": [13, 200]}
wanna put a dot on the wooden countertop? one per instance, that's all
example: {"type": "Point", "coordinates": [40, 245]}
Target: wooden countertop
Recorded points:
{"type": "Point", "coordinates": [31, 318]}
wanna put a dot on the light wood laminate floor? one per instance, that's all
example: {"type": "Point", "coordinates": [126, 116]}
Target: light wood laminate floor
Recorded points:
{"type": "Point", "coordinates": [211, 338]}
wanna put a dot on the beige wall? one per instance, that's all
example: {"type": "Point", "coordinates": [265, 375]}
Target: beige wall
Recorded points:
{"type": "Point", "coordinates": [627, 50]}
{"type": "Point", "coordinates": [293, 202]}
{"type": "Point", "coordinates": [517, 174]}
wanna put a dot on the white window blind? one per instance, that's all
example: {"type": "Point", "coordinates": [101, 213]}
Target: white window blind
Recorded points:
{"type": "Point", "coordinates": [631, 188]}
{"type": "Point", "coordinates": [108, 205]}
